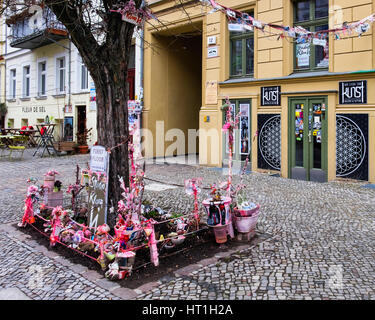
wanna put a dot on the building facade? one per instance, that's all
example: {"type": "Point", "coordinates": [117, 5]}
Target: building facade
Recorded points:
{"type": "Point", "coordinates": [2, 72]}
{"type": "Point", "coordinates": [307, 110]}
{"type": "Point", "coordinates": [46, 78]}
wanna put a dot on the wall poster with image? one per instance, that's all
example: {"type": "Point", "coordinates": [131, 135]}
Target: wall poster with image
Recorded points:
{"type": "Point", "coordinates": [233, 105]}
{"type": "Point", "coordinates": [303, 54]}
{"type": "Point", "coordinates": [244, 128]}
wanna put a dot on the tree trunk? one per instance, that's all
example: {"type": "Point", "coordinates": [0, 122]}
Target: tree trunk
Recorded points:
{"type": "Point", "coordinates": [112, 126]}
{"type": "Point", "coordinates": [108, 66]}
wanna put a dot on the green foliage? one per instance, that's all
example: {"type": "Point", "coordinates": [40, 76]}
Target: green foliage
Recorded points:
{"type": "Point", "coordinates": [3, 109]}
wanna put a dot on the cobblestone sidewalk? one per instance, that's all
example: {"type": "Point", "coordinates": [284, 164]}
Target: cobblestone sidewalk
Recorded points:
{"type": "Point", "coordinates": [322, 243]}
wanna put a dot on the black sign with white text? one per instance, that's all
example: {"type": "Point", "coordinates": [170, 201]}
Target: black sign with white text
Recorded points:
{"type": "Point", "coordinates": [353, 92]}
{"type": "Point", "coordinates": [270, 96]}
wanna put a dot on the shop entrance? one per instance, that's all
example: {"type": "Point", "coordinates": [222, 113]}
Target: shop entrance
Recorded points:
{"type": "Point", "coordinates": [81, 119]}
{"type": "Point", "coordinates": [308, 139]}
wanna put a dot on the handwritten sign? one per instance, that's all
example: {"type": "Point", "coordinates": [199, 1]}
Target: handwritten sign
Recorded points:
{"type": "Point", "coordinates": [98, 159]}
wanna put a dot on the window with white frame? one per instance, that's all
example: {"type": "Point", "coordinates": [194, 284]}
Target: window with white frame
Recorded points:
{"type": "Point", "coordinates": [60, 75]}
{"type": "Point", "coordinates": [84, 77]}
{"type": "Point", "coordinates": [13, 83]}
{"type": "Point", "coordinates": [26, 82]}
{"type": "Point", "coordinates": [42, 76]}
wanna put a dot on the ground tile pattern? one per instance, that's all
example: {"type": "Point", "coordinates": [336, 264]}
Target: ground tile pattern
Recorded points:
{"type": "Point", "coordinates": [321, 244]}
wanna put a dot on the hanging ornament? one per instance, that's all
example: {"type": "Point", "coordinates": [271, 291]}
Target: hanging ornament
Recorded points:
{"type": "Point", "coordinates": [362, 28]}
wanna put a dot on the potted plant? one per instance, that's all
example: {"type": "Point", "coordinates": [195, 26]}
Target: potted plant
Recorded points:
{"type": "Point", "coordinates": [82, 138]}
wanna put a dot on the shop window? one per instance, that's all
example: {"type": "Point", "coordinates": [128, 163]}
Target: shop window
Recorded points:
{"type": "Point", "coordinates": [242, 53]}
{"type": "Point", "coordinates": [26, 82]}
{"type": "Point", "coordinates": [313, 16]}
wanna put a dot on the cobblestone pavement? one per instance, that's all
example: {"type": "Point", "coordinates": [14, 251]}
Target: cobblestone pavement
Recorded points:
{"type": "Point", "coordinates": [322, 243]}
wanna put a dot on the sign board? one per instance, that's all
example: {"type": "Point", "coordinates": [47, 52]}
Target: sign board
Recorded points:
{"type": "Point", "coordinates": [270, 96]}
{"type": "Point", "coordinates": [353, 92]}
{"type": "Point", "coordinates": [98, 186]}
{"type": "Point", "coordinates": [211, 92]}
{"type": "Point", "coordinates": [211, 40]}
{"type": "Point", "coordinates": [98, 159]}
{"type": "Point", "coordinates": [212, 52]}
{"type": "Point", "coordinates": [132, 18]}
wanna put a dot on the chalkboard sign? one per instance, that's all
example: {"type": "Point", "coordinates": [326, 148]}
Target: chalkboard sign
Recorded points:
{"type": "Point", "coordinates": [97, 204]}
{"type": "Point", "coordinates": [270, 96]}
{"type": "Point", "coordinates": [353, 92]}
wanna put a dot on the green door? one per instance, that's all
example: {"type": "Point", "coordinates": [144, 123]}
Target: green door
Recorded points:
{"type": "Point", "coordinates": [242, 140]}
{"type": "Point", "coordinates": [308, 139]}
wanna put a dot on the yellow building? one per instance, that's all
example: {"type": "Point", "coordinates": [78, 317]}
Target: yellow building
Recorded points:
{"type": "Point", "coordinates": [2, 70]}
{"type": "Point", "coordinates": [308, 110]}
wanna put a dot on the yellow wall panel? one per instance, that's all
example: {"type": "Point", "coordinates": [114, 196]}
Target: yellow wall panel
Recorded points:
{"type": "Point", "coordinates": [353, 61]}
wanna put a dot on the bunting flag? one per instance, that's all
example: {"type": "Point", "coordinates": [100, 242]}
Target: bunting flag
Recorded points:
{"type": "Point", "coordinates": [240, 21]}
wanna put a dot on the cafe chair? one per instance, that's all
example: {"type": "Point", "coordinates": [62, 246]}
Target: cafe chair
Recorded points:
{"type": "Point", "coordinates": [17, 150]}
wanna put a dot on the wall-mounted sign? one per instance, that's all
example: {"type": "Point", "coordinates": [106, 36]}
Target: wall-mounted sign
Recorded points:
{"type": "Point", "coordinates": [353, 92]}
{"type": "Point", "coordinates": [211, 40]}
{"type": "Point", "coordinates": [270, 96]}
{"type": "Point", "coordinates": [132, 18]}
{"type": "Point", "coordinates": [212, 52]}
{"type": "Point", "coordinates": [211, 92]}
{"type": "Point", "coordinates": [68, 108]}
{"type": "Point", "coordinates": [33, 109]}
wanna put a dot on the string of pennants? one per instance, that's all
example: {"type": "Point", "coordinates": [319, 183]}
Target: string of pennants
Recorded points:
{"type": "Point", "coordinates": [241, 21]}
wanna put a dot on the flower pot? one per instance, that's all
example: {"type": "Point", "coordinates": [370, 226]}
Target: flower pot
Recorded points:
{"type": "Point", "coordinates": [55, 199]}
{"type": "Point", "coordinates": [49, 182]}
{"type": "Point", "coordinates": [221, 234]}
{"type": "Point", "coordinates": [246, 213]}
{"type": "Point", "coordinates": [83, 149]}
{"type": "Point", "coordinates": [218, 211]}
{"type": "Point", "coordinates": [246, 224]}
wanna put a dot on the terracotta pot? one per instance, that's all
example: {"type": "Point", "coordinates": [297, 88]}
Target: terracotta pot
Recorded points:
{"type": "Point", "coordinates": [83, 149]}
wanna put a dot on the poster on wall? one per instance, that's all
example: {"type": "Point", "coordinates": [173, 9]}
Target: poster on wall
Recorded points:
{"type": "Point", "coordinates": [68, 129]}
{"type": "Point", "coordinates": [303, 54]}
{"type": "Point", "coordinates": [92, 97]}
{"type": "Point", "coordinates": [211, 92]}
{"type": "Point", "coordinates": [234, 133]}
{"type": "Point", "coordinates": [244, 128]}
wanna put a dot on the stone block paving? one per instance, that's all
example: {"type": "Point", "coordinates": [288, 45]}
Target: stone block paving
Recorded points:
{"type": "Point", "coordinates": [322, 243]}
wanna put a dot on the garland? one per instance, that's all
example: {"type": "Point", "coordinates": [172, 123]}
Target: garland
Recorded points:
{"type": "Point", "coordinates": [243, 21]}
